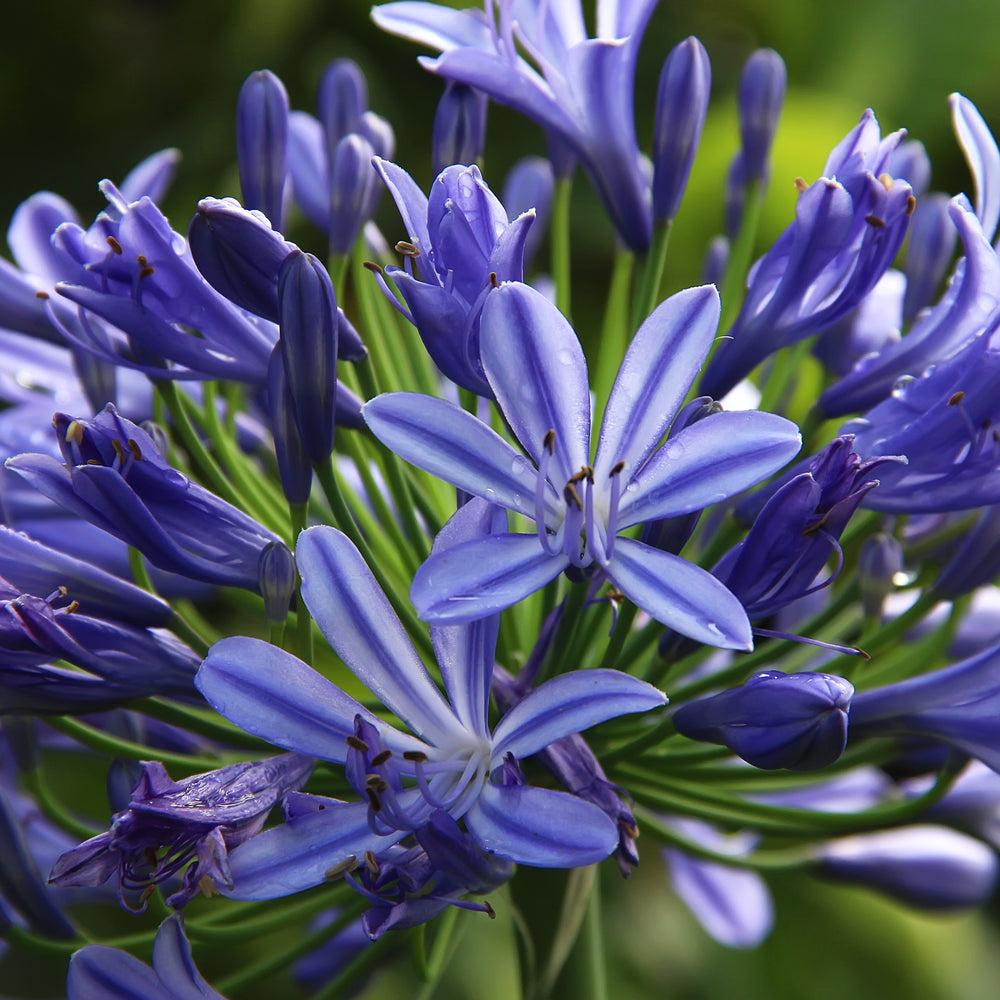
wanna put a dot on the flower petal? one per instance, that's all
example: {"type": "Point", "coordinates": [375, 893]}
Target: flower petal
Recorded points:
{"type": "Point", "coordinates": [434, 26]}
{"type": "Point", "coordinates": [273, 694]}
{"type": "Point", "coordinates": [709, 461]}
{"type": "Point", "coordinates": [655, 375]}
{"type": "Point", "coordinates": [174, 965]}
{"type": "Point", "coordinates": [359, 623]}
{"type": "Point", "coordinates": [680, 594]}
{"type": "Point", "coordinates": [536, 368]}
{"type": "Point", "coordinates": [569, 704]}
{"type": "Point", "coordinates": [540, 827]}
{"type": "Point", "coordinates": [98, 972]}
{"type": "Point", "coordinates": [480, 577]}
{"type": "Point", "coordinates": [983, 158]}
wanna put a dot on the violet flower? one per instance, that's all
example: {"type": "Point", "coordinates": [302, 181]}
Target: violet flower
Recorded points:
{"type": "Point", "coordinates": [580, 88]}
{"type": "Point", "coordinates": [537, 372]}
{"type": "Point", "coordinates": [185, 826]}
{"type": "Point", "coordinates": [452, 762]}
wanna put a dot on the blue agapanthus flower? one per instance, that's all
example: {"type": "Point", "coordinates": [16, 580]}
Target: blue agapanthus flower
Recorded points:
{"type": "Point", "coordinates": [452, 762]}
{"type": "Point", "coordinates": [536, 369]}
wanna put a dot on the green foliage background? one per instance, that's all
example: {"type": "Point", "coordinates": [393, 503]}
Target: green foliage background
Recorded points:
{"type": "Point", "coordinates": [87, 89]}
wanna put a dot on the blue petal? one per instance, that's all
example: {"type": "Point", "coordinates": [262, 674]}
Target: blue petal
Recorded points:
{"type": "Point", "coordinates": [432, 25]}
{"type": "Point", "coordinates": [412, 205]}
{"type": "Point", "coordinates": [568, 704]}
{"type": "Point", "coordinates": [655, 375]}
{"type": "Point", "coordinates": [709, 461]}
{"type": "Point", "coordinates": [983, 158]}
{"type": "Point", "coordinates": [679, 594]}
{"type": "Point", "coordinates": [299, 854]}
{"type": "Point", "coordinates": [101, 973]}
{"type": "Point", "coordinates": [446, 441]}
{"type": "Point", "coordinates": [536, 368]}
{"type": "Point", "coordinates": [307, 166]}
{"type": "Point", "coordinates": [30, 233]}
{"type": "Point", "coordinates": [273, 694]}
{"type": "Point", "coordinates": [151, 177]}
{"type": "Point", "coordinates": [480, 577]}
{"type": "Point", "coordinates": [359, 623]}
{"type": "Point", "coordinates": [541, 828]}
{"type": "Point", "coordinates": [174, 965]}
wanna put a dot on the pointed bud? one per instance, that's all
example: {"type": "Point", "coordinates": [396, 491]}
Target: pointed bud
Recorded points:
{"type": "Point", "coordinates": [775, 720]}
{"type": "Point", "coordinates": [681, 106]}
{"type": "Point", "coordinates": [459, 126]}
{"type": "Point", "coordinates": [342, 100]}
{"type": "Point", "coordinates": [353, 185]}
{"type": "Point", "coordinates": [531, 184]}
{"type": "Point", "coordinates": [294, 467]}
{"type": "Point", "coordinates": [762, 93]}
{"type": "Point", "coordinates": [262, 143]}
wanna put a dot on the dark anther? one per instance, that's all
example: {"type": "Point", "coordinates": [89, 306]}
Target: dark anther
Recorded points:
{"type": "Point", "coordinates": [493, 280]}
{"type": "Point", "coordinates": [376, 783]}
{"type": "Point", "coordinates": [417, 756]}
{"type": "Point", "coordinates": [114, 244]}
{"type": "Point", "coordinates": [617, 470]}
{"type": "Point", "coordinates": [549, 441]}
{"type": "Point", "coordinates": [874, 220]}
{"type": "Point", "coordinates": [381, 758]}
{"type": "Point", "coordinates": [956, 398]}
{"type": "Point", "coordinates": [371, 862]}
{"type": "Point", "coordinates": [119, 450]}
{"type": "Point", "coordinates": [571, 496]}
{"type": "Point", "coordinates": [357, 744]}
{"type": "Point", "coordinates": [490, 912]}
{"type": "Point", "coordinates": [801, 185]}
{"type": "Point", "coordinates": [372, 266]}
{"type": "Point", "coordinates": [373, 800]}
{"type": "Point", "coordinates": [407, 249]}
{"type": "Point", "coordinates": [134, 448]}
{"type": "Point", "coordinates": [94, 461]}
{"type": "Point", "coordinates": [146, 272]}
{"type": "Point", "coordinates": [340, 869]}
{"type": "Point", "coordinates": [616, 596]}
{"type": "Point", "coordinates": [41, 295]}
{"type": "Point", "coordinates": [911, 204]}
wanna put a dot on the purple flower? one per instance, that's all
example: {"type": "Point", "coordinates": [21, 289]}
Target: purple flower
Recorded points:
{"type": "Point", "coordinates": [116, 478]}
{"type": "Point", "coordinates": [459, 245]}
{"type": "Point", "coordinates": [98, 972]}
{"type": "Point", "coordinates": [186, 826]}
{"type": "Point", "coordinates": [452, 762]}
{"type": "Point", "coordinates": [537, 372]}
{"type": "Point", "coordinates": [775, 720]}
{"type": "Point", "coordinates": [577, 87]}
{"type": "Point", "coordinates": [848, 227]}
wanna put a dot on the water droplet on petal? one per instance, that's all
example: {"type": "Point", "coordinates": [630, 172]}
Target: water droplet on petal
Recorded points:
{"type": "Point", "coordinates": [901, 386]}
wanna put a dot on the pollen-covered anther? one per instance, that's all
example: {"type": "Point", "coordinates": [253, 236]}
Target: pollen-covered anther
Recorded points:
{"type": "Point", "coordinates": [71, 607]}
{"type": "Point", "coordinates": [874, 220]}
{"type": "Point", "coordinates": [800, 184]}
{"type": "Point", "coordinates": [490, 912]}
{"type": "Point", "coordinates": [41, 295]}
{"type": "Point", "coordinates": [887, 181]}
{"type": "Point", "coordinates": [407, 249]}
{"type": "Point", "coordinates": [146, 272]}
{"type": "Point", "coordinates": [416, 756]}
{"type": "Point", "coordinates": [549, 441]}
{"type": "Point", "coordinates": [493, 280]}
{"type": "Point", "coordinates": [340, 869]}
{"type": "Point", "coordinates": [956, 398]}
{"type": "Point", "coordinates": [617, 470]}
{"type": "Point", "coordinates": [371, 862]}
{"type": "Point", "coordinates": [74, 432]}
{"type": "Point", "coordinates": [355, 743]}
{"type": "Point", "coordinates": [911, 204]}
{"type": "Point", "coordinates": [134, 448]}
{"type": "Point", "coordinates": [376, 783]}
{"type": "Point", "coordinates": [370, 265]}
{"type": "Point", "coordinates": [571, 496]}
{"type": "Point", "coordinates": [374, 803]}
{"type": "Point", "coordinates": [119, 449]}
{"type": "Point", "coordinates": [116, 247]}
{"type": "Point", "coordinates": [380, 758]}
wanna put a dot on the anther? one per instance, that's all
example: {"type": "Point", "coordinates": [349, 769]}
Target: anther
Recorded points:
{"type": "Point", "coordinates": [370, 265]}
{"type": "Point", "coordinates": [64, 591]}
{"type": "Point", "coordinates": [119, 450]}
{"type": "Point", "coordinates": [617, 469]}
{"type": "Point", "coordinates": [373, 801]}
{"type": "Point", "coordinates": [340, 869]}
{"type": "Point", "coordinates": [571, 496]}
{"type": "Point", "coordinates": [381, 758]}
{"type": "Point", "coordinates": [141, 260]}
{"type": "Point", "coordinates": [417, 756]}
{"type": "Point", "coordinates": [146, 893]}
{"type": "Point", "coordinates": [493, 280]}
{"type": "Point", "coordinates": [490, 912]}
{"type": "Point", "coordinates": [376, 783]}
{"type": "Point", "coordinates": [874, 220]}
{"type": "Point", "coordinates": [956, 398]}
{"type": "Point", "coordinates": [911, 204]}
{"type": "Point", "coordinates": [146, 272]}
{"type": "Point", "coordinates": [886, 180]}
{"type": "Point", "coordinates": [357, 744]}
{"type": "Point", "coordinates": [549, 441]}
{"type": "Point", "coordinates": [74, 432]}
{"type": "Point", "coordinates": [800, 184]}
{"type": "Point", "coordinates": [371, 862]}
{"type": "Point", "coordinates": [41, 295]}
{"type": "Point", "coordinates": [71, 607]}
{"type": "Point", "coordinates": [134, 448]}
{"type": "Point", "coordinates": [114, 244]}
{"type": "Point", "coordinates": [407, 249]}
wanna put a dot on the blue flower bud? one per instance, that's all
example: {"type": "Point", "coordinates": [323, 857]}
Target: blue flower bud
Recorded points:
{"type": "Point", "coordinates": [353, 184]}
{"type": "Point", "coordinates": [530, 185]}
{"type": "Point", "coordinates": [342, 100]}
{"type": "Point", "coordinates": [276, 570]}
{"type": "Point", "coordinates": [294, 467]}
{"type": "Point", "coordinates": [459, 126]}
{"type": "Point", "coordinates": [762, 93]}
{"type": "Point", "coordinates": [681, 106]}
{"type": "Point", "coordinates": [881, 559]}
{"type": "Point", "coordinates": [909, 161]}
{"type": "Point", "coordinates": [775, 720]}
{"type": "Point", "coordinates": [262, 143]}
{"type": "Point", "coordinates": [308, 344]}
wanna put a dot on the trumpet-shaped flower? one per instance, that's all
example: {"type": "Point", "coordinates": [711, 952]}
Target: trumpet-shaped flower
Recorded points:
{"type": "Point", "coordinates": [452, 762]}
{"type": "Point", "coordinates": [536, 369]}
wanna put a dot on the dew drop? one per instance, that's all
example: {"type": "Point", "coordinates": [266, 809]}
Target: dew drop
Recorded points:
{"type": "Point", "coordinates": [565, 357]}
{"type": "Point", "coordinates": [519, 465]}
{"type": "Point", "coordinates": [901, 385]}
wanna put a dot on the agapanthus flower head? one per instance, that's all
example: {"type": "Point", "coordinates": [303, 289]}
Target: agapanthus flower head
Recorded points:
{"type": "Point", "coordinates": [538, 375]}
{"type": "Point", "coordinates": [453, 762]}
{"type": "Point", "coordinates": [188, 826]}
{"type": "Point", "coordinates": [116, 478]}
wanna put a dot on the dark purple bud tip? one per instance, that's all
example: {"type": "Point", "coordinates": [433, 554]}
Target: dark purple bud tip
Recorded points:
{"type": "Point", "coordinates": [762, 93]}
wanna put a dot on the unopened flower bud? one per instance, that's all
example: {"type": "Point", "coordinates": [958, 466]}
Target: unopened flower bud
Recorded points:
{"type": "Point", "coordinates": [276, 569]}
{"type": "Point", "coordinates": [459, 126]}
{"type": "Point", "coordinates": [262, 143]}
{"type": "Point", "coordinates": [762, 93]}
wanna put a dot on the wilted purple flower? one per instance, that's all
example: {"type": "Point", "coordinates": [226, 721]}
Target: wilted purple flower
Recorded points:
{"type": "Point", "coordinates": [116, 478]}
{"type": "Point", "coordinates": [188, 825]}
{"type": "Point", "coordinates": [262, 143]}
{"type": "Point", "coordinates": [927, 866]}
{"type": "Point", "coordinates": [538, 374]}
{"type": "Point", "coordinates": [459, 246]}
{"type": "Point", "coordinates": [762, 94]}
{"type": "Point", "coordinates": [579, 88]}
{"type": "Point", "coordinates": [848, 227]}
{"type": "Point", "coordinates": [98, 972]}
{"type": "Point", "coordinates": [459, 126]}
{"type": "Point", "coordinates": [775, 720]}
{"type": "Point", "coordinates": [681, 106]}
{"type": "Point", "coordinates": [404, 779]}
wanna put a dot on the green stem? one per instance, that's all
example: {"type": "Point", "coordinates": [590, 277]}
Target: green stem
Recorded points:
{"type": "Point", "coordinates": [559, 231]}
{"type": "Point", "coordinates": [194, 721]}
{"type": "Point", "coordinates": [740, 257]}
{"type": "Point", "coordinates": [596, 975]}
{"type": "Point", "coordinates": [652, 273]}
{"type": "Point", "coordinates": [615, 331]}
{"type": "Point", "coordinates": [579, 886]}
{"type": "Point", "coordinates": [35, 782]}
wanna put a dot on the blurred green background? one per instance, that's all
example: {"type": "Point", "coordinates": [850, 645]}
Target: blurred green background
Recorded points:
{"type": "Point", "coordinates": [88, 89]}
